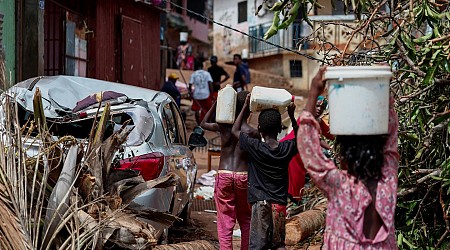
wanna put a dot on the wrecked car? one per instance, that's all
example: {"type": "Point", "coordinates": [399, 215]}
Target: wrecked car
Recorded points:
{"type": "Point", "coordinates": [156, 146]}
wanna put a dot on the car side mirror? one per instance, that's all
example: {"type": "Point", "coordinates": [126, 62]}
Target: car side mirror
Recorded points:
{"type": "Point", "coordinates": [196, 139]}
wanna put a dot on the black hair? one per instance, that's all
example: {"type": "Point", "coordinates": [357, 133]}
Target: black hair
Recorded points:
{"type": "Point", "coordinates": [238, 56]}
{"type": "Point", "coordinates": [363, 155]}
{"type": "Point", "coordinates": [269, 121]}
{"type": "Point", "coordinates": [240, 101]}
{"type": "Point", "coordinates": [198, 64]}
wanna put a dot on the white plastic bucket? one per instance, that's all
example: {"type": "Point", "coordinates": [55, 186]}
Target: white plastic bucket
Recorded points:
{"type": "Point", "coordinates": [358, 99]}
{"type": "Point", "coordinates": [226, 105]}
{"type": "Point", "coordinates": [183, 36]}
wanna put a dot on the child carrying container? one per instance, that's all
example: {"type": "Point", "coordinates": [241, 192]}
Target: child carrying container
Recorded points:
{"type": "Point", "coordinates": [230, 188]}
{"type": "Point", "coordinates": [362, 194]}
{"type": "Point", "coordinates": [267, 176]}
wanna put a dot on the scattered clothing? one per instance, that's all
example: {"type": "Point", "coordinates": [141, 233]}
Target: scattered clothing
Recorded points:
{"type": "Point", "coordinates": [207, 179]}
{"type": "Point", "coordinates": [230, 194]}
{"type": "Point", "coordinates": [267, 226]}
{"type": "Point", "coordinates": [348, 199]}
{"type": "Point", "coordinates": [204, 193]}
{"type": "Point", "coordinates": [95, 99]}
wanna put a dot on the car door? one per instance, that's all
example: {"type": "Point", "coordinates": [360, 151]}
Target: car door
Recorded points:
{"type": "Point", "coordinates": [181, 159]}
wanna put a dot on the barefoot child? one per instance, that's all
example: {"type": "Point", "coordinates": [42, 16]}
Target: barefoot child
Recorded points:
{"type": "Point", "coordinates": [362, 196]}
{"type": "Point", "coordinates": [268, 176]}
{"type": "Point", "coordinates": [230, 191]}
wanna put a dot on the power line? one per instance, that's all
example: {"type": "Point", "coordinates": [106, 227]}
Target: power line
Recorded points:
{"type": "Point", "coordinates": [243, 33]}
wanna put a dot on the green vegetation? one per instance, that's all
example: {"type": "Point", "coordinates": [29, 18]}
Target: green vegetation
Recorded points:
{"type": "Point", "coordinates": [414, 38]}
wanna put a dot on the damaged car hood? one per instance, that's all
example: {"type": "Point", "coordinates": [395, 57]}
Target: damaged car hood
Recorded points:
{"type": "Point", "coordinates": [61, 93]}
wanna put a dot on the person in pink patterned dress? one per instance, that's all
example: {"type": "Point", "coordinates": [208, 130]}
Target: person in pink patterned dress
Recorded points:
{"type": "Point", "coordinates": [362, 194]}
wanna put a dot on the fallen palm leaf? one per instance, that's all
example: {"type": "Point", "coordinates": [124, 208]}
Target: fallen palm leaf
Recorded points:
{"type": "Point", "coordinates": [160, 182]}
{"type": "Point", "coordinates": [192, 245]}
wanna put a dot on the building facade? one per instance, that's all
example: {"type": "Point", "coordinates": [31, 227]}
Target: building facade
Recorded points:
{"type": "Point", "coordinates": [181, 18]}
{"type": "Point", "coordinates": [268, 58]}
{"type": "Point", "coordinates": [110, 40]}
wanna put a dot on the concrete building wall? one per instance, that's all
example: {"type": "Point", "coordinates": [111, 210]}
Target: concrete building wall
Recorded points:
{"type": "Point", "coordinates": [269, 64]}
{"type": "Point", "coordinates": [309, 69]}
{"type": "Point", "coordinates": [226, 41]}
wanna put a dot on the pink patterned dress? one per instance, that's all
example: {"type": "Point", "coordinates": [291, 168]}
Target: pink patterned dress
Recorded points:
{"type": "Point", "coordinates": [347, 200]}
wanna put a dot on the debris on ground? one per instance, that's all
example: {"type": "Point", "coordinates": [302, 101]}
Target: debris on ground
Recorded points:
{"type": "Point", "coordinates": [191, 245]}
{"type": "Point", "coordinates": [237, 233]}
{"type": "Point", "coordinates": [207, 179]}
{"type": "Point", "coordinates": [204, 193]}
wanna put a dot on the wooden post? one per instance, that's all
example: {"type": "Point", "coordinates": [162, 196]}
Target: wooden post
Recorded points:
{"type": "Point", "coordinates": [31, 34]}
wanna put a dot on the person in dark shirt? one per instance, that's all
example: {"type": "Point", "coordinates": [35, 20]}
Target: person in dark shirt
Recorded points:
{"type": "Point", "coordinates": [247, 73]}
{"type": "Point", "coordinates": [216, 73]}
{"type": "Point", "coordinates": [267, 176]}
{"type": "Point", "coordinates": [239, 79]}
{"type": "Point", "coordinates": [170, 88]}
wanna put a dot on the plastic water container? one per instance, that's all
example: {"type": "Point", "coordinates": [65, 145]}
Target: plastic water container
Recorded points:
{"type": "Point", "coordinates": [266, 98]}
{"type": "Point", "coordinates": [184, 36]}
{"type": "Point", "coordinates": [358, 99]}
{"type": "Point", "coordinates": [226, 105]}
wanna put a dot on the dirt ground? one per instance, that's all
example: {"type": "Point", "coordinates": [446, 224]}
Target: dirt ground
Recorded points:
{"type": "Point", "coordinates": [203, 223]}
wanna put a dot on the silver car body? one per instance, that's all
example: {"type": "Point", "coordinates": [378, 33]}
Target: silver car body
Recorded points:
{"type": "Point", "coordinates": [167, 131]}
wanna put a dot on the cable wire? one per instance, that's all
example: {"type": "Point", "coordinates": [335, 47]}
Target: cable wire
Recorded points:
{"type": "Point", "coordinates": [246, 34]}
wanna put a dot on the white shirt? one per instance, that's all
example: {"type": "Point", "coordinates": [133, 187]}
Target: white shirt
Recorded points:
{"type": "Point", "coordinates": [200, 79]}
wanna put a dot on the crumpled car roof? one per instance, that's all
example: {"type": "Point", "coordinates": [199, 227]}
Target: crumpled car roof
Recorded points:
{"type": "Point", "coordinates": [63, 92]}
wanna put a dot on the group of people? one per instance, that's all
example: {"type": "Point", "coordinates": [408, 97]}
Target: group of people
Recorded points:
{"type": "Point", "coordinates": [205, 85]}
{"type": "Point", "coordinates": [256, 171]}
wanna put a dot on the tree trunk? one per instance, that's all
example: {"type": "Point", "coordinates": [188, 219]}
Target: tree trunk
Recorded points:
{"type": "Point", "coordinates": [302, 225]}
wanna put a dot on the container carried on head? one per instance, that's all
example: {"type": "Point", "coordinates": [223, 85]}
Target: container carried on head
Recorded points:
{"type": "Point", "coordinates": [267, 98]}
{"type": "Point", "coordinates": [358, 99]}
{"type": "Point", "coordinates": [226, 105]}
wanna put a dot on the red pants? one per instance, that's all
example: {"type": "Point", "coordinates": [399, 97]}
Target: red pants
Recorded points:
{"type": "Point", "coordinates": [297, 174]}
{"type": "Point", "coordinates": [202, 106]}
{"type": "Point", "coordinates": [296, 171]}
{"type": "Point", "coordinates": [230, 194]}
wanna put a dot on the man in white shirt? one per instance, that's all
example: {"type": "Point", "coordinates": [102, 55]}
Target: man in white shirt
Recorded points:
{"type": "Point", "coordinates": [203, 90]}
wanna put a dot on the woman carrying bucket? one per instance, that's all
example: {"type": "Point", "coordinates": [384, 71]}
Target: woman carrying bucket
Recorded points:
{"type": "Point", "coordinates": [361, 194]}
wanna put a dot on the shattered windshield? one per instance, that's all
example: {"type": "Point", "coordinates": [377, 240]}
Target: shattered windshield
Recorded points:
{"type": "Point", "coordinates": [139, 119]}
{"type": "Point", "coordinates": [142, 121]}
